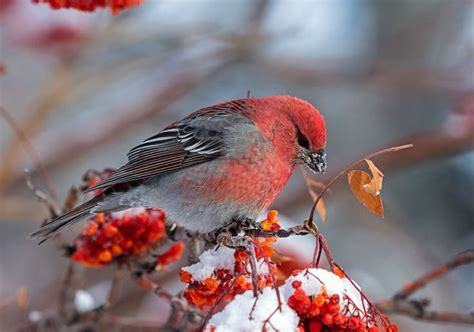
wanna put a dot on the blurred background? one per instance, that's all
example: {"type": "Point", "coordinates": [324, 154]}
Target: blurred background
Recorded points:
{"type": "Point", "coordinates": [86, 87]}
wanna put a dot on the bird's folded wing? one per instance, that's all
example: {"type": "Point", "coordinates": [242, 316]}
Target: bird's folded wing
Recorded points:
{"type": "Point", "coordinates": [194, 140]}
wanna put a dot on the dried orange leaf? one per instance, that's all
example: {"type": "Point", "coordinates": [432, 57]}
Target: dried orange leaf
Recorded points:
{"type": "Point", "coordinates": [375, 184]}
{"type": "Point", "coordinates": [357, 182]}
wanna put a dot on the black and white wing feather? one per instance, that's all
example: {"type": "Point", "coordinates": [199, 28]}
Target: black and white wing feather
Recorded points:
{"type": "Point", "coordinates": [197, 139]}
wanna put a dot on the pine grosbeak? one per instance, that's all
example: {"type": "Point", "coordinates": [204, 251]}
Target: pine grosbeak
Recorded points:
{"type": "Point", "coordinates": [221, 163]}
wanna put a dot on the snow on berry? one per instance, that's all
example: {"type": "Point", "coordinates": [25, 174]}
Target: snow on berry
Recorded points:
{"type": "Point", "coordinates": [326, 302]}
{"type": "Point", "coordinates": [245, 313]}
{"type": "Point", "coordinates": [222, 272]}
{"type": "Point", "coordinates": [210, 260]}
{"type": "Point", "coordinates": [316, 281]}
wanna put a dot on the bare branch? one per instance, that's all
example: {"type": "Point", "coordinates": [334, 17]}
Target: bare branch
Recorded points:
{"type": "Point", "coordinates": [416, 310]}
{"type": "Point", "coordinates": [460, 259]}
{"type": "Point", "coordinates": [400, 304]}
{"type": "Point", "coordinates": [30, 150]}
{"type": "Point", "coordinates": [42, 197]}
{"type": "Point", "coordinates": [66, 294]}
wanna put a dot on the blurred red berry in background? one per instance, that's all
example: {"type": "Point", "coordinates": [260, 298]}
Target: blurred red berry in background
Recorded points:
{"type": "Point", "coordinates": [107, 237]}
{"type": "Point", "coordinates": [91, 5]}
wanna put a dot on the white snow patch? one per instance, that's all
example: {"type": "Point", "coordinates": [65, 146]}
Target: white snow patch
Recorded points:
{"type": "Point", "coordinates": [35, 316]}
{"type": "Point", "coordinates": [235, 316]}
{"type": "Point", "coordinates": [83, 301]}
{"type": "Point", "coordinates": [317, 280]}
{"type": "Point", "coordinates": [222, 258]}
{"type": "Point", "coordinates": [262, 267]}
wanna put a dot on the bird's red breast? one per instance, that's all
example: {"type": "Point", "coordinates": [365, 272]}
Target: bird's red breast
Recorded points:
{"type": "Point", "coordinates": [256, 177]}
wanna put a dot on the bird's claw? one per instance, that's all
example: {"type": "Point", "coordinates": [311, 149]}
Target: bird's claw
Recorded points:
{"type": "Point", "coordinates": [228, 240]}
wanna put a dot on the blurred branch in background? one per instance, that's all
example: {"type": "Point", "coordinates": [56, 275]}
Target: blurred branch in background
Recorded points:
{"type": "Point", "coordinates": [23, 140]}
{"type": "Point", "coordinates": [385, 74]}
{"type": "Point", "coordinates": [454, 137]}
{"type": "Point", "coordinates": [400, 303]}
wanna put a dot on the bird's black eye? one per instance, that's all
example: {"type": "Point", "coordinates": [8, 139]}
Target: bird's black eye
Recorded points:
{"type": "Point", "coordinates": [303, 141]}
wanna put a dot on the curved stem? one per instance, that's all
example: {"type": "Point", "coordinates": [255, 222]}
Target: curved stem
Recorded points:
{"type": "Point", "coordinates": [347, 169]}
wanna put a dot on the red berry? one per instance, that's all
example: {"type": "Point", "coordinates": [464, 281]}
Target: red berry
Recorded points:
{"type": "Point", "coordinates": [339, 319]}
{"type": "Point", "coordinates": [315, 326]}
{"type": "Point", "coordinates": [393, 328]}
{"type": "Point", "coordinates": [328, 319]}
{"type": "Point", "coordinates": [299, 301]}
{"type": "Point", "coordinates": [296, 284]}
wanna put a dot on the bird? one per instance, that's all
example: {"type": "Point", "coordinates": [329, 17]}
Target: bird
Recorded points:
{"type": "Point", "coordinates": [221, 163]}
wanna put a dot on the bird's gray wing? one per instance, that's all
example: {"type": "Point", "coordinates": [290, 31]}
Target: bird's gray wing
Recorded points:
{"type": "Point", "coordinates": [196, 139]}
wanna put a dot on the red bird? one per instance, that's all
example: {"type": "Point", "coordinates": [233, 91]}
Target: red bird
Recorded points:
{"type": "Point", "coordinates": [220, 164]}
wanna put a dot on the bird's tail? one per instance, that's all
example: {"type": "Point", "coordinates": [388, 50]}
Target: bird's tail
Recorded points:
{"type": "Point", "coordinates": [48, 230]}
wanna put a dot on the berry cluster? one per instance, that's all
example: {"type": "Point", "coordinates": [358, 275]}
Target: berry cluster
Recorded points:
{"type": "Point", "coordinates": [109, 236]}
{"type": "Point", "coordinates": [323, 312]}
{"type": "Point", "coordinates": [224, 283]}
{"type": "Point", "coordinates": [91, 5]}
{"type": "Point", "coordinates": [235, 277]}
{"type": "Point", "coordinates": [263, 246]}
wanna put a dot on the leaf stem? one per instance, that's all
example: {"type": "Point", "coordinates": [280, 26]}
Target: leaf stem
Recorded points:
{"type": "Point", "coordinates": [347, 169]}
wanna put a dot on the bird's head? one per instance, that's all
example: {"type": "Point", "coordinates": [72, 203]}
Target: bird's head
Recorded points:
{"type": "Point", "coordinates": [299, 124]}
{"type": "Point", "coordinates": [310, 134]}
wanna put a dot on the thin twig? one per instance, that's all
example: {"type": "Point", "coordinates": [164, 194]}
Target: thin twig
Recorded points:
{"type": "Point", "coordinates": [463, 258]}
{"type": "Point", "coordinates": [400, 303]}
{"type": "Point", "coordinates": [230, 285]}
{"type": "Point", "coordinates": [30, 150]}
{"type": "Point", "coordinates": [194, 248]}
{"type": "Point", "coordinates": [113, 293]}
{"type": "Point", "coordinates": [175, 317]}
{"type": "Point", "coordinates": [416, 310]}
{"type": "Point", "coordinates": [65, 297]}
{"type": "Point", "coordinates": [42, 197]}
{"type": "Point", "coordinates": [54, 211]}
{"type": "Point", "coordinates": [156, 289]}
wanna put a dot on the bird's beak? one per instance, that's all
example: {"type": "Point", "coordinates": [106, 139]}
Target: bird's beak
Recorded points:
{"type": "Point", "coordinates": [317, 161]}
